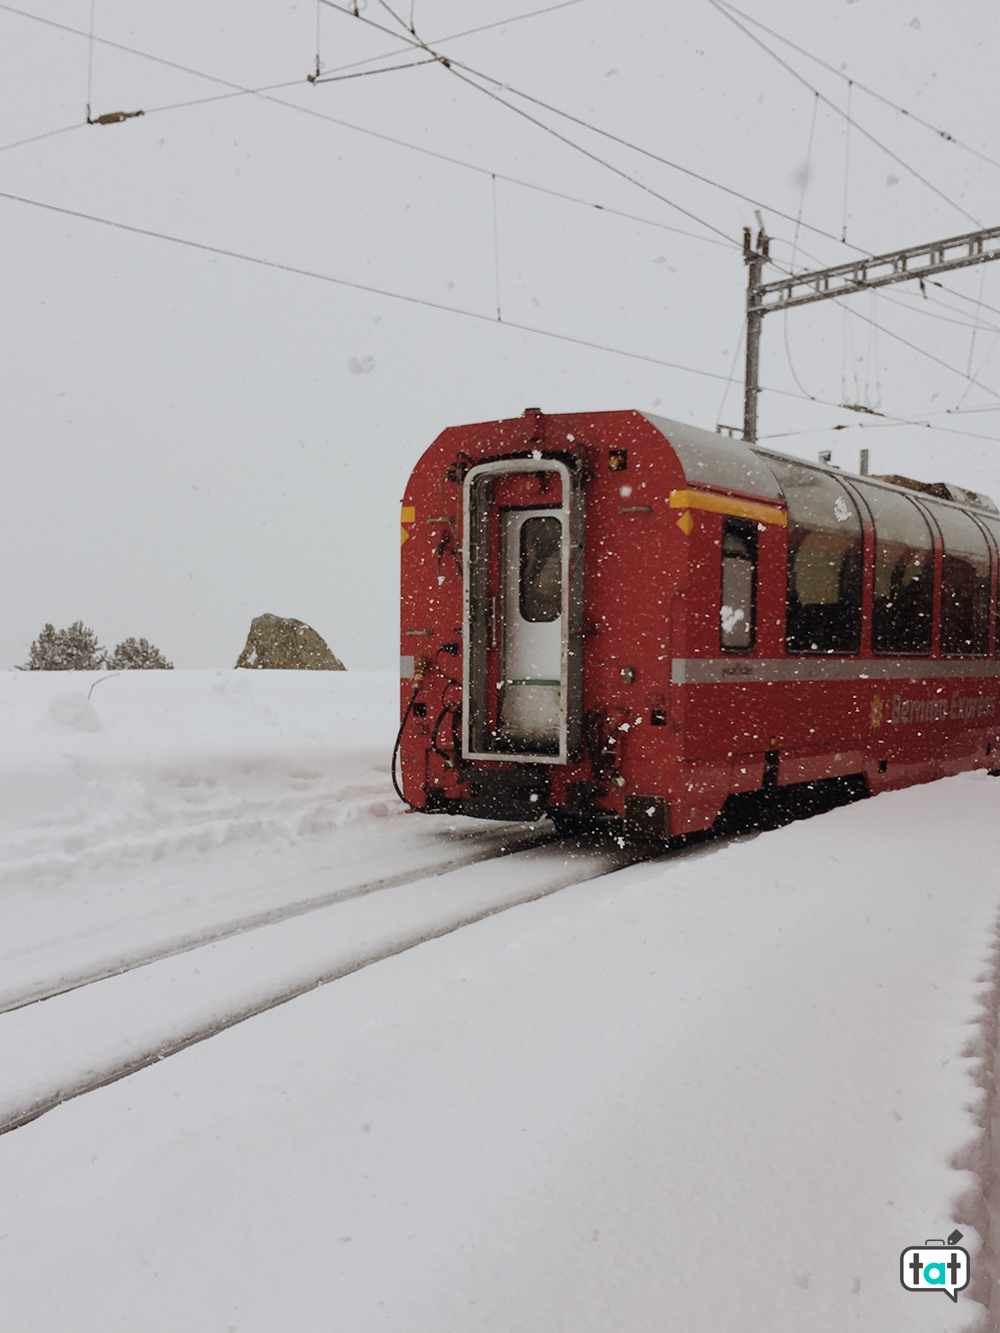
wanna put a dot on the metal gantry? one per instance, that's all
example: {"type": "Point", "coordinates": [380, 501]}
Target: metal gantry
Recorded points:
{"type": "Point", "coordinates": [860, 275]}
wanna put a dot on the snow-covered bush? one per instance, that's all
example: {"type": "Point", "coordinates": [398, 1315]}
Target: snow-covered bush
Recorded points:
{"type": "Point", "coordinates": [138, 655]}
{"type": "Point", "coordinates": [73, 649]}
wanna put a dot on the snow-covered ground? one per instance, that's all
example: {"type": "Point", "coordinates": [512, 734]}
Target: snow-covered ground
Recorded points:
{"type": "Point", "coordinates": [717, 1092]}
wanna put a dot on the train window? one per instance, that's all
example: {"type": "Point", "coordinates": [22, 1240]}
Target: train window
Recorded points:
{"type": "Point", "coordinates": [965, 584]}
{"type": "Point", "coordinates": [739, 585]}
{"type": "Point", "coordinates": [824, 561]}
{"type": "Point", "coordinates": [903, 604]}
{"type": "Point", "coordinates": [541, 569]}
{"type": "Point", "coordinates": [993, 528]}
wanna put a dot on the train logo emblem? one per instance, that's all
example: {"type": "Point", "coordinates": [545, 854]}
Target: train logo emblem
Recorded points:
{"type": "Point", "coordinates": [877, 713]}
{"type": "Point", "coordinates": [936, 1265]}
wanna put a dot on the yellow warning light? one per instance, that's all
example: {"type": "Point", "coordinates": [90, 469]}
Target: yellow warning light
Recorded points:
{"type": "Point", "coordinates": [685, 523]}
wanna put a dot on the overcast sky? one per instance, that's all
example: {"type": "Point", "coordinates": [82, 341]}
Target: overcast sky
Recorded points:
{"type": "Point", "coordinates": [191, 439]}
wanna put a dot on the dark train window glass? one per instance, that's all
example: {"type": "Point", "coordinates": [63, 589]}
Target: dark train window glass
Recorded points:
{"type": "Point", "coordinates": [739, 586]}
{"type": "Point", "coordinates": [993, 527]}
{"type": "Point", "coordinates": [824, 561]}
{"type": "Point", "coordinates": [903, 603]}
{"type": "Point", "coordinates": [541, 569]}
{"type": "Point", "coordinates": [965, 585]}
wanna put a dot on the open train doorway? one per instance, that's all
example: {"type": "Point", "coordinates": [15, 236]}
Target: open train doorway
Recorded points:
{"type": "Point", "coordinates": [523, 602]}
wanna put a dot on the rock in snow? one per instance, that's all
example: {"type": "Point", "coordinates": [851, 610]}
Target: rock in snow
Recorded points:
{"type": "Point", "coordinates": [281, 644]}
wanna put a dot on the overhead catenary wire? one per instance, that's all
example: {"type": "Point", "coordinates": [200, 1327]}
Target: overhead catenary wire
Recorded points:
{"type": "Point", "coordinates": [920, 308]}
{"type": "Point", "coordinates": [686, 212]}
{"type": "Point", "coordinates": [931, 282]}
{"type": "Point", "coordinates": [972, 339]}
{"type": "Point", "coordinates": [847, 160]}
{"type": "Point", "coordinates": [795, 240]}
{"type": "Point", "coordinates": [731, 377]}
{"type": "Point", "coordinates": [898, 294]}
{"type": "Point", "coordinates": [496, 247]}
{"type": "Point", "coordinates": [90, 59]}
{"type": "Point", "coordinates": [454, 65]}
{"type": "Point", "coordinates": [915, 348]}
{"type": "Point", "coordinates": [452, 310]}
{"type": "Point", "coordinates": [724, 11]}
{"type": "Point", "coordinates": [891, 423]}
{"type": "Point", "coordinates": [237, 90]}
{"type": "Point", "coordinates": [454, 36]}
{"type": "Point", "coordinates": [365, 73]}
{"type": "Point", "coordinates": [368, 288]}
{"type": "Point", "coordinates": [987, 355]}
{"type": "Point", "coordinates": [471, 82]}
{"type": "Point", "coordinates": [870, 92]}
{"type": "Point", "coordinates": [263, 94]}
{"type": "Point", "coordinates": [877, 327]}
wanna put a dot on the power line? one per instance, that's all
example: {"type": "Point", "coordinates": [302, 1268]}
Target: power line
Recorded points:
{"type": "Point", "coordinates": [717, 5]}
{"type": "Point", "coordinates": [262, 94]}
{"type": "Point", "coordinates": [891, 424]}
{"type": "Point", "coordinates": [239, 90]}
{"type": "Point", "coordinates": [941, 134]}
{"type": "Point", "coordinates": [913, 347]}
{"type": "Point", "coordinates": [593, 156]}
{"type": "Point", "coordinates": [364, 73]}
{"type": "Point", "coordinates": [36, 138]}
{"type": "Point", "coordinates": [895, 298]}
{"type": "Point", "coordinates": [819, 97]}
{"type": "Point", "coordinates": [367, 288]}
{"type": "Point", "coordinates": [962, 297]}
{"type": "Point", "coordinates": [436, 58]}
{"type": "Point", "coordinates": [455, 36]}
{"type": "Point", "coordinates": [916, 307]}
{"type": "Point", "coordinates": [90, 57]}
{"type": "Point", "coordinates": [795, 239]}
{"type": "Point", "coordinates": [421, 301]}
{"type": "Point", "coordinates": [452, 65]}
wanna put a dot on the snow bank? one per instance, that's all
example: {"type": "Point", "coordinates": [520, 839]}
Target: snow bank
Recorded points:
{"type": "Point", "coordinates": [97, 769]}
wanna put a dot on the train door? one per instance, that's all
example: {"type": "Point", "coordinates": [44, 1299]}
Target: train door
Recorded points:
{"type": "Point", "coordinates": [533, 629]}
{"type": "Point", "coordinates": [523, 603]}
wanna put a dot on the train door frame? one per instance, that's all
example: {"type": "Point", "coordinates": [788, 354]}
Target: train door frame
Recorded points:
{"type": "Point", "coordinates": [480, 631]}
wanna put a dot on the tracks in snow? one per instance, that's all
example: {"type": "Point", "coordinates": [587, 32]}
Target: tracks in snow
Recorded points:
{"type": "Point", "coordinates": [94, 1032]}
{"type": "Point", "coordinates": [486, 847]}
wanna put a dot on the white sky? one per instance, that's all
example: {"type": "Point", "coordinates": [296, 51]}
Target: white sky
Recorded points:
{"type": "Point", "coordinates": [190, 440]}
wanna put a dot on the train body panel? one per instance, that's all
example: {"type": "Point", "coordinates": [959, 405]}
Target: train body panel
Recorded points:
{"type": "Point", "coordinates": [613, 617]}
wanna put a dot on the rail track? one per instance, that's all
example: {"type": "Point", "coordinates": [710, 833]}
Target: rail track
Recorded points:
{"type": "Point", "coordinates": [81, 1034]}
{"type": "Point", "coordinates": [486, 846]}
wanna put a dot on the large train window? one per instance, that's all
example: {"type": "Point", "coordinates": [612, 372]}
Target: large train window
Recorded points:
{"type": "Point", "coordinates": [737, 606]}
{"type": "Point", "coordinates": [903, 604]}
{"type": "Point", "coordinates": [824, 561]}
{"type": "Point", "coordinates": [965, 584]}
{"type": "Point", "coordinates": [992, 526]}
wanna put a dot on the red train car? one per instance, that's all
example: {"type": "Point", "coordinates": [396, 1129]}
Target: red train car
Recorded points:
{"type": "Point", "coordinates": [619, 620]}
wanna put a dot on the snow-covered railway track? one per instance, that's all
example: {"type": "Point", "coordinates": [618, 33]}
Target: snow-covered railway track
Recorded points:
{"type": "Point", "coordinates": [479, 847]}
{"type": "Point", "coordinates": [97, 1032]}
